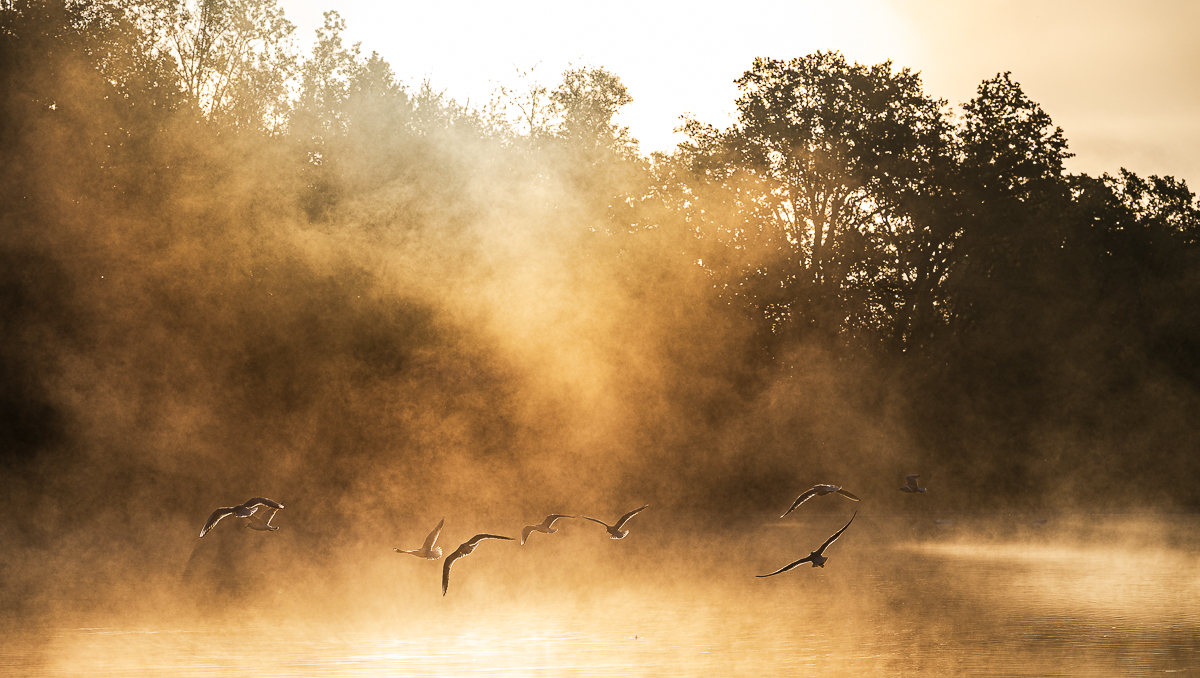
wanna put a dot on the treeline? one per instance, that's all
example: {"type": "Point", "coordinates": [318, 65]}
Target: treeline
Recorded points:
{"type": "Point", "coordinates": [228, 264]}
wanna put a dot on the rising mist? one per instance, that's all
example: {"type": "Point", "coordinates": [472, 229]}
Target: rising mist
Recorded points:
{"type": "Point", "coordinates": [381, 308]}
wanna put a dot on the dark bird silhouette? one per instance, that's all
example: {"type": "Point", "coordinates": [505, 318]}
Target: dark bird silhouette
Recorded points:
{"type": "Point", "coordinates": [615, 531]}
{"type": "Point", "coordinates": [244, 510]}
{"type": "Point", "coordinates": [910, 484]}
{"type": "Point", "coordinates": [817, 558]}
{"type": "Point", "coordinates": [428, 551]}
{"type": "Point", "coordinates": [546, 526]}
{"type": "Point", "coordinates": [465, 549]}
{"type": "Point", "coordinates": [818, 491]}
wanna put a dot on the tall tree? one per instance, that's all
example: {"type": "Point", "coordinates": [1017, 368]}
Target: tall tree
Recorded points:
{"type": "Point", "coordinates": [989, 206]}
{"type": "Point", "coordinates": [586, 101]}
{"type": "Point", "coordinates": [234, 57]}
{"type": "Point", "coordinates": [809, 190]}
{"type": "Point", "coordinates": [1012, 196]}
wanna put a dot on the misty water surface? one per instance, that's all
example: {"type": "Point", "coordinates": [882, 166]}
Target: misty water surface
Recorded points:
{"type": "Point", "coordinates": [901, 595]}
{"type": "Point", "coordinates": [381, 307]}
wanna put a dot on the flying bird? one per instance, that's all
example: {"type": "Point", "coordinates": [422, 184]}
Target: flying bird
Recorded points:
{"type": "Point", "coordinates": [910, 484]}
{"type": "Point", "coordinates": [817, 558]}
{"type": "Point", "coordinates": [465, 549]}
{"type": "Point", "coordinates": [818, 491]}
{"type": "Point", "coordinates": [615, 531]}
{"type": "Point", "coordinates": [428, 551]}
{"type": "Point", "coordinates": [261, 520]}
{"type": "Point", "coordinates": [546, 526]}
{"type": "Point", "coordinates": [244, 510]}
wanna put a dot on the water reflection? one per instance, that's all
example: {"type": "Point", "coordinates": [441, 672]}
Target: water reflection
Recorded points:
{"type": "Point", "coordinates": [908, 596]}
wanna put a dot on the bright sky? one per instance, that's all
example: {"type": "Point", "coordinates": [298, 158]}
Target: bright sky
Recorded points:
{"type": "Point", "coordinates": [1122, 79]}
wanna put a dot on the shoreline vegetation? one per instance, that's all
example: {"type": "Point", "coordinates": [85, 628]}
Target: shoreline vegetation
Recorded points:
{"type": "Point", "coordinates": [232, 268]}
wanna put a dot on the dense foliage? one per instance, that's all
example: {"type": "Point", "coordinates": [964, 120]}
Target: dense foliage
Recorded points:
{"type": "Point", "coordinates": [230, 269]}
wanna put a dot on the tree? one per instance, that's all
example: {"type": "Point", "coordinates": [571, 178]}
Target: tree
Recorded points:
{"type": "Point", "coordinates": [1011, 148]}
{"type": "Point", "coordinates": [1011, 199]}
{"type": "Point", "coordinates": [993, 209]}
{"type": "Point", "coordinates": [234, 57]}
{"type": "Point", "coordinates": [355, 127]}
{"type": "Point", "coordinates": [811, 189]}
{"type": "Point", "coordinates": [586, 101]}
{"type": "Point", "coordinates": [1138, 239]}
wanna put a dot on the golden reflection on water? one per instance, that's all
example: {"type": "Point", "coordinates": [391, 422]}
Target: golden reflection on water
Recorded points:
{"type": "Point", "coordinates": [1149, 583]}
{"type": "Point", "coordinates": [900, 598]}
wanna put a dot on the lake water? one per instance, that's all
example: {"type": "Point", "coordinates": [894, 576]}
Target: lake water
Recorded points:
{"type": "Point", "coordinates": [1005, 595]}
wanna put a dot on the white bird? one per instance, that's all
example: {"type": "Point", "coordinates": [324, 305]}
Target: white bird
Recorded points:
{"type": "Point", "coordinates": [546, 526]}
{"type": "Point", "coordinates": [910, 484]}
{"type": "Point", "coordinates": [615, 531]}
{"type": "Point", "coordinates": [261, 520]}
{"type": "Point", "coordinates": [244, 510]}
{"type": "Point", "coordinates": [818, 491]}
{"type": "Point", "coordinates": [428, 551]}
{"type": "Point", "coordinates": [817, 558]}
{"type": "Point", "coordinates": [465, 549]}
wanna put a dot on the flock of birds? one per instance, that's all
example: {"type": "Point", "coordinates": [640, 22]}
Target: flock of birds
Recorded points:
{"type": "Point", "coordinates": [818, 558]}
{"type": "Point", "coordinates": [261, 520]}
{"type": "Point", "coordinates": [430, 551]}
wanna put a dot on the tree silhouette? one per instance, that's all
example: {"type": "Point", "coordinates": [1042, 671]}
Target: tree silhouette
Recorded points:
{"type": "Point", "coordinates": [814, 189]}
{"type": "Point", "coordinates": [847, 255]}
{"type": "Point", "coordinates": [234, 57]}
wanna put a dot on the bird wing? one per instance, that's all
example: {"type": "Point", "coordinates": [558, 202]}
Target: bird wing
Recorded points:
{"type": "Point", "coordinates": [216, 518]}
{"type": "Point", "coordinates": [597, 521]}
{"type": "Point", "coordinates": [263, 517]}
{"type": "Point", "coordinates": [847, 494]}
{"type": "Point", "coordinates": [911, 480]}
{"type": "Point", "coordinates": [525, 533]}
{"type": "Point", "coordinates": [429, 541]}
{"type": "Point", "coordinates": [809, 494]}
{"type": "Point", "coordinates": [837, 534]}
{"type": "Point", "coordinates": [785, 568]}
{"type": "Point", "coordinates": [446, 568]}
{"type": "Point", "coordinates": [255, 501]}
{"type": "Point", "coordinates": [480, 537]}
{"type": "Point", "coordinates": [629, 515]}
{"type": "Point", "coordinates": [550, 519]}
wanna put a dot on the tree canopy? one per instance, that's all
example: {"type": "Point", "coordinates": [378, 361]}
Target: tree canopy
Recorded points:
{"type": "Point", "coordinates": [228, 259]}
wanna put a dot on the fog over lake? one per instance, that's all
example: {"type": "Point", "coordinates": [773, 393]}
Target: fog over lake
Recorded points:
{"type": "Point", "coordinates": [245, 270]}
{"type": "Point", "coordinates": [986, 594]}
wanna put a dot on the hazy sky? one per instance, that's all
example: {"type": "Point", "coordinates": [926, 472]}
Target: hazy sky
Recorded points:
{"type": "Point", "coordinates": [1121, 78]}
